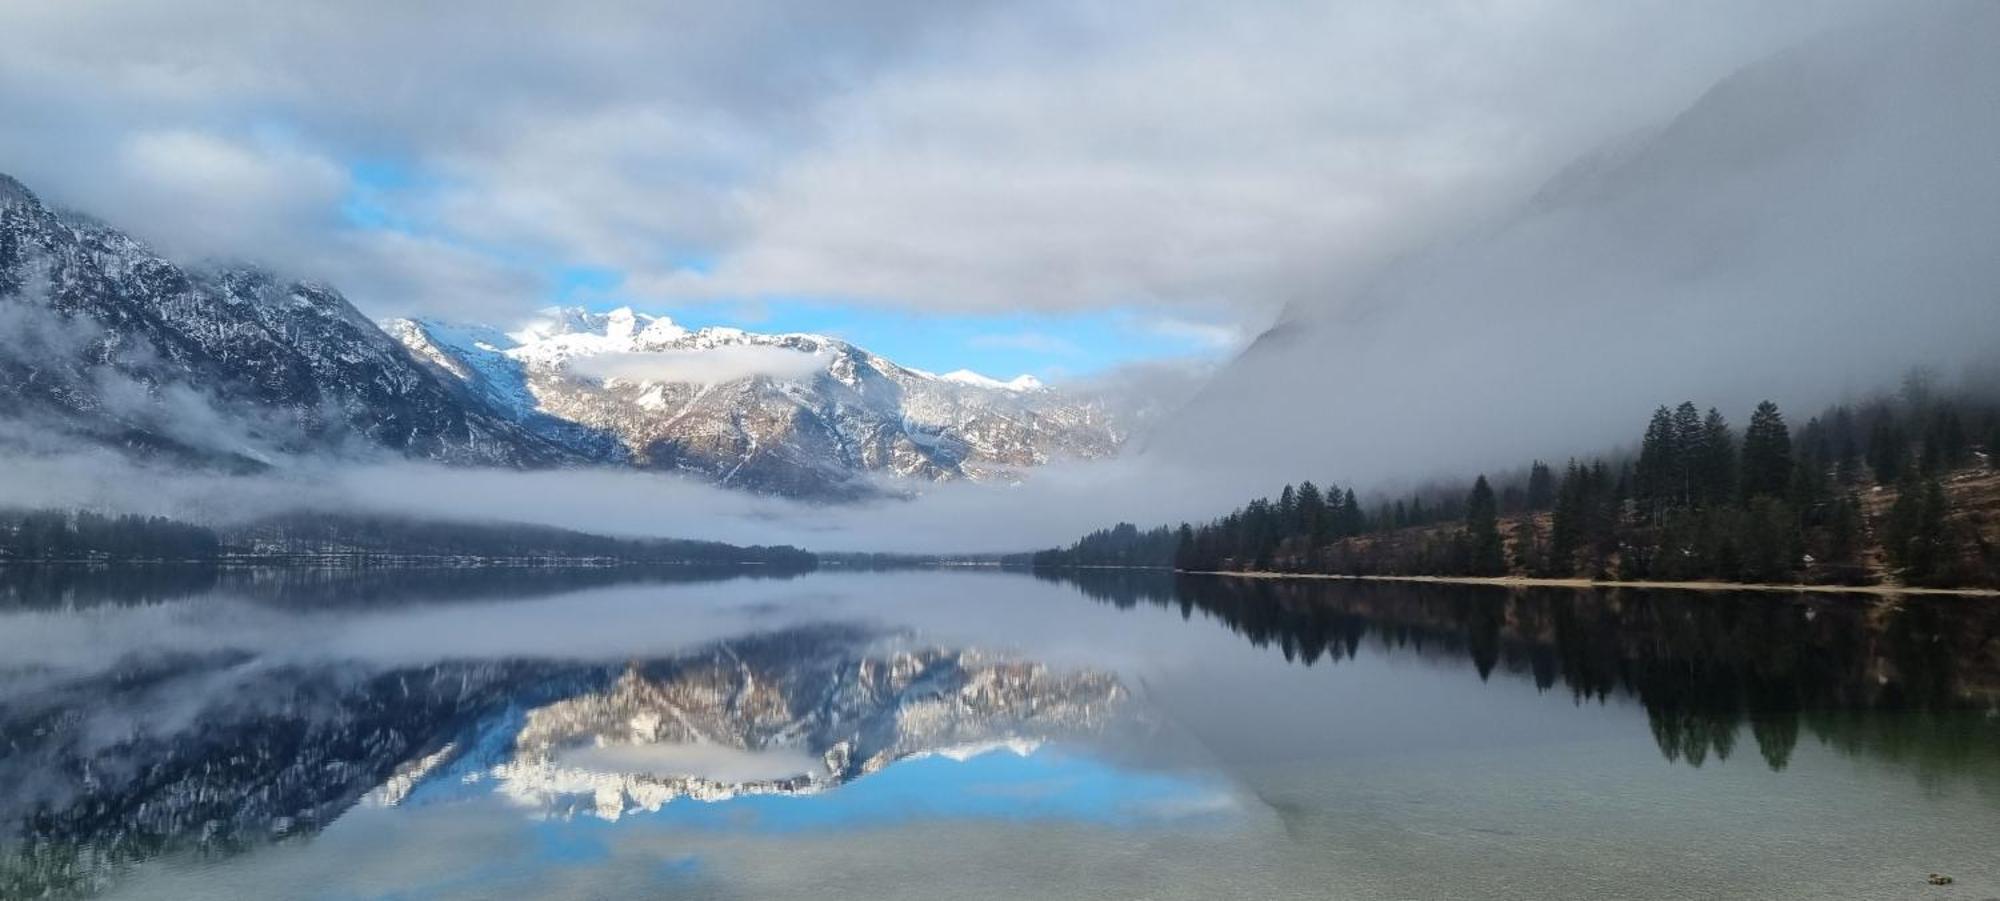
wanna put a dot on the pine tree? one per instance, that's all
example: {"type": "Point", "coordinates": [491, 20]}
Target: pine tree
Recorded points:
{"type": "Point", "coordinates": [1312, 515]}
{"type": "Point", "coordinates": [1482, 527]}
{"type": "Point", "coordinates": [1659, 458]}
{"type": "Point", "coordinates": [1846, 445]}
{"type": "Point", "coordinates": [1571, 528]}
{"type": "Point", "coordinates": [1915, 538]}
{"type": "Point", "coordinates": [1767, 453]}
{"type": "Point", "coordinates": [1689, 436]}
{"type": "Point", "coordinates": [1770, 540]}
{"type": "Point", "coordinates": [1715, 462]}
{"type": "Point", "coordinates": [1888, 451]}
{"type": "Point", "coordinates": [1528, 551]}
{"type": "Point", "coordinates": [1541, 486]}
{"type": "Point", "coordinates": [1944, 441]}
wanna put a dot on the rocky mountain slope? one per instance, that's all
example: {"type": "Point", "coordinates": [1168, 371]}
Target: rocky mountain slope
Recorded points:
{"type": "Point", "coordinates": [102, 339]}
{"type": "Point", "coordinates": [796, 414]}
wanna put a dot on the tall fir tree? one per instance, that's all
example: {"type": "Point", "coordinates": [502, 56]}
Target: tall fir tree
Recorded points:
{"type": "Point", "coordinates": [1888, 451]}
{"type": "Point", "coordinates": [1767, 453]}
{"type": "Point", "coordinates": [1716, 461]}
{"type": "Point", "coordinates": [1944, 446]}
{"type": "Point", "coordinates": [1915, 537]}
{"type": "Point", "coordinates": [1659, 458]}
{"type": "Point", "coordinates": [1482, 528]}
{"type": "Point", "coordinates": [1312, 514]}
{"type": "Point", "coordinates": [1541, 486]}
{"type": "Point", "coordinates": [1689, 436]}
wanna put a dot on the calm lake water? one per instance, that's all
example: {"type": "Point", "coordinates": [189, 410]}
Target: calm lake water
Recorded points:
{"type": "Point", "coordinates": [978, 734]}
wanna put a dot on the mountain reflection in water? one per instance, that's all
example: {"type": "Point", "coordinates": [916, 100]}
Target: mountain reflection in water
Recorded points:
{"type": "Point", "coordinates": [87, 784]}
{"type": "Point", "coordinates": [168, 714]}
{"type": "Point", "coordinates": [1703, 664]}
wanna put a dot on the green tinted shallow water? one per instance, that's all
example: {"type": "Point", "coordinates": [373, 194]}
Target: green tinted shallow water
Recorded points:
{"type": "Point", "coordinates": [1261, 739]}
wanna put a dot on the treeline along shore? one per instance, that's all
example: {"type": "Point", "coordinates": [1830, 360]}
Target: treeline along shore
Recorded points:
{"type": "Point", "coordinates": [32, 537]}
{"type": "Point", "coordinates": [1902, 490]}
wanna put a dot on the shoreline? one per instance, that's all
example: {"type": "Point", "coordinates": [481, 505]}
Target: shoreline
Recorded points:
{"type": "Point", "coordinates": [1526, 582]}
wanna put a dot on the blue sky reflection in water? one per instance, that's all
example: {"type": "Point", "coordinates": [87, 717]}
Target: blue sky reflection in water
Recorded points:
{"type": "Point", "coordinates": [1302, 740]}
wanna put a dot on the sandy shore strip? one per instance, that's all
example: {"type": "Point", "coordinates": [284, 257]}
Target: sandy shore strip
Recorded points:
{"type": "Point", "coordinates": [1523, 582]}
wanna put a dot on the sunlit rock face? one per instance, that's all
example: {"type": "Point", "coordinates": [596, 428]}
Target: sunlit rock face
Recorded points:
{"type": "Point", "coordinates": [104, 341]}
{"type": "Point", "coordinates": [795, 414]}
{"type": "Point", "coordinates": [793, 713]}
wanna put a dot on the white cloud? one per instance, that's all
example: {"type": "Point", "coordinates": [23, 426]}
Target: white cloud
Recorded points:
{"type": "Point", "coordinates": [196, 193]}
{"type": "Point", "coordinates": [1208, 335]}
{"type": "Point", "coordinates": [1232, 156]}
{"type": "Point", "coordinates": [1060, 502]}
{"type": "Point", "coordinates": [701, 366]}
{"type": "Point", "coordinates": [1220, 158]}
{"type": "Point", "coordinates": [397, 273]}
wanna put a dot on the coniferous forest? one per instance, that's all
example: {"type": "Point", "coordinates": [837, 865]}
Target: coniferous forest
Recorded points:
{"type": "Point", "coordinates": [1901, 489]}
{"type": "Point", "coordinates": [63, 536]}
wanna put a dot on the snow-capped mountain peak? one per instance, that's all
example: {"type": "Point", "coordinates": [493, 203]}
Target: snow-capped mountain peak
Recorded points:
{"type": "Point", "coordinates": [273, 367]}
{"type": "Point", "coordinates": [1017, 383]}
{"type": "Point", "coordinates": [792, 413]}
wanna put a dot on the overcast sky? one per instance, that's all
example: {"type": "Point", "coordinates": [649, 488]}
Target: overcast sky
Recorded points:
{"type": "Point", "coordinates": [1056, 187]}
{"type": "Point", "coordinates": [1492, 230]}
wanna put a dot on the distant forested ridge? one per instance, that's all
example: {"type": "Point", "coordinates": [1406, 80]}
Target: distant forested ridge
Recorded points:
{"type": "Point", "coordinates": [1902, 488]}
{"type": "Point", "coordinates": [83, 536]}
{"type": "Point", "coordinates": [1121, 545]}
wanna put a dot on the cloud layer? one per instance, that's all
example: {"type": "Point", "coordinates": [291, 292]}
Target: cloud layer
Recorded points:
{"type": "Point", "coordinates": [1808, 229]}
{"type": "Point", "coordinates": [993, 155]}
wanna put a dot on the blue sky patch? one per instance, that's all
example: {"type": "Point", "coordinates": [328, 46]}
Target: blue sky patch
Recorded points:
{"type": "Point", "coordinates": [1046, 785]}
{"type": "Point", "coordinates": [1050, 346]}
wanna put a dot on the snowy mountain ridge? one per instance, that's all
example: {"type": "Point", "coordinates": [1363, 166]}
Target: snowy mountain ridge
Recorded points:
{"type": "Point", "coordinates": [795, 413]}
{"type": "Point", "coordinates": [104, 342]}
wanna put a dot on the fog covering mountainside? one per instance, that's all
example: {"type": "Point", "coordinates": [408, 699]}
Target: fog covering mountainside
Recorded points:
{"type": "Point", "coordinates": [795, 414]}
{"type": "Point", "coordinates": [102, 340]}
{"type": "Point", "coordinates": [1813, 224]}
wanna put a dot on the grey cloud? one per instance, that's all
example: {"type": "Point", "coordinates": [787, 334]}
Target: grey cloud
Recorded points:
{"type": "Point", "coordinates": [1045, 154]}
{"type": "Point", "coordinates": [1805, 230]}
{"type": "Point", "coordinates": [1058, 502]}
{"type": "Point", "coordinates": [524, 103]}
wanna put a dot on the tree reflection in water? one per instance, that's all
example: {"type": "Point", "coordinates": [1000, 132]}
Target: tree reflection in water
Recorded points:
{"type": "Point", "coordinates": [1914, 681]}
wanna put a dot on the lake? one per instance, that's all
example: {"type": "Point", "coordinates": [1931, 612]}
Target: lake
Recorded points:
{"type": "Point", "coordinates": [983, 734]}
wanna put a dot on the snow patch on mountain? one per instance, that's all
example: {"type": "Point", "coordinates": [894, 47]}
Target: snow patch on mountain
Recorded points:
{"type": "Point", "coordinates": [1018, 383]}
{"type": "Point", "coordinates": [798, 413]}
